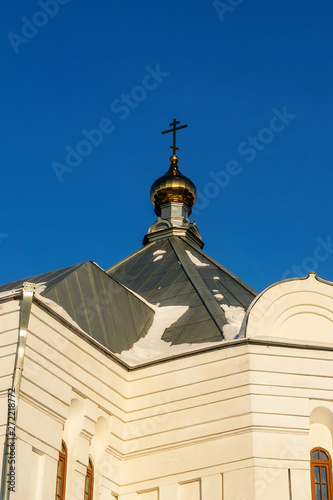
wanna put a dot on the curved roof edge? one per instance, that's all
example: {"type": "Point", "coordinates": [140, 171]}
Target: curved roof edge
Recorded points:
{"type": "Point", "coordinates": [298, 298]}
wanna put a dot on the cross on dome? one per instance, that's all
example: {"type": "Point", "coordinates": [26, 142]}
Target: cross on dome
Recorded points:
{"type": "Point", "coordinates": [173, 196]}
{"type": "Point", "coordinates": [173, 130]}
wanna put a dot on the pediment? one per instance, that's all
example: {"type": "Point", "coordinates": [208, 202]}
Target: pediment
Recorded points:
{"type": "Point", "coordinates": [296, 310]}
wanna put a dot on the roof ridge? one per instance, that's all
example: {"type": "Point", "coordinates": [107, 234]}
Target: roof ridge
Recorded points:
{"type": "Point", "coordinates": [200, 287]}
{"type": "Point", "coordinates": [218, 264]}
{"type": "Point", "coordinates": [99, 304]}
{"type": "Point", "coordinates": [64, 275]}
{"type": "Point", "coordinates": [11, 284]}
{"type": "Point", "coordinates": [129, 257]}
{"type": "Point", "coordinates": [135, 294]}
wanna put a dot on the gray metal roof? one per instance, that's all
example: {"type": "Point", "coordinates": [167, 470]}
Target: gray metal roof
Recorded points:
{"type": "Point", "coordinates": [173, 272]}
{"type": "Point", "coordinates": [103, 308]}
{"type": "Point", "coordinates": [50, 278]}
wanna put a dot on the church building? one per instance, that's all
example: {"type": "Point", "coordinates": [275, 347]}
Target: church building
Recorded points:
{"type": "Point", "coordinates": [165, 377]}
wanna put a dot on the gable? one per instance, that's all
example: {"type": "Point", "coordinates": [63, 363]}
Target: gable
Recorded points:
{"type": "Point", "coordinates": [295, 310]}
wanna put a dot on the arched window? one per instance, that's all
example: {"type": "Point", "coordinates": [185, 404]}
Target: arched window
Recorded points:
{"type": "Point", "coordinates": [61, 473]}
{"type": "Point", "coordinates": [321, 474]}
{"type": "Point", "coordinates": [89, 484]}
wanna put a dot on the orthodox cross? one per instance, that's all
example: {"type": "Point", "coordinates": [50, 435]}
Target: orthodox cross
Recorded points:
{"type": "Point", "coordinates": [173, 129]}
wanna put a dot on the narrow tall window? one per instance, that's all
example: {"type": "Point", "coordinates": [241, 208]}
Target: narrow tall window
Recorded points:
{"type": "Point", "coordinates": [61, 473]}
{"type": "Point", "coordinates": [89, 484]}
{"type": "Point", "coordinates": [321, 474]}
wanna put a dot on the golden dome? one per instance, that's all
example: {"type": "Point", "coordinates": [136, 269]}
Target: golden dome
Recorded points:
{"type": "Point", "coordinates": [173, 186]}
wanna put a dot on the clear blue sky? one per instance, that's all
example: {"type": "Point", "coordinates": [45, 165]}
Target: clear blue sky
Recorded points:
{"type": "Point", "coordinates": [129, 68]}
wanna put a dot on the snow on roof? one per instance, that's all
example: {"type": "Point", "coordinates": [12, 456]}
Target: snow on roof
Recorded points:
{"type": "Point", "coordinates": [195, 259]}
{"type": "Point", "coordinates": [234, 316]}
{"type": "Point", "coordinates": [152, 347]}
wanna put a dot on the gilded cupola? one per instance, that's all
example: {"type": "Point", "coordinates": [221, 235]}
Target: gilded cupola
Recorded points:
{"type": "Point", "coordinates": [173, 196]}
{"type": "Point", "coordinates": [174, 187]}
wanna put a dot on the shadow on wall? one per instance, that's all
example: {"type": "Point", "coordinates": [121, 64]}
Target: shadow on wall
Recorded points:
{"type": "Point", "coordinates": [321, 428]}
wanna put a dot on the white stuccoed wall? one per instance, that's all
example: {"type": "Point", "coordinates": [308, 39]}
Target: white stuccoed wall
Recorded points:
{"type": "Point", "coordinates": [234, 423]}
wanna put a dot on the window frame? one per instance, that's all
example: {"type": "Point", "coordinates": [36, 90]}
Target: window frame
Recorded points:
{"type": "Point", "coordinates": [321, 463]}
{"type": "Point", "coordinates": [90, 478]}
{"type": "Point", "coordinates": [62, 478]}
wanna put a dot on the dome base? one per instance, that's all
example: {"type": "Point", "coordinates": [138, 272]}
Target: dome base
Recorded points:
{"type": "Point", "coordinates": [164, 228]}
